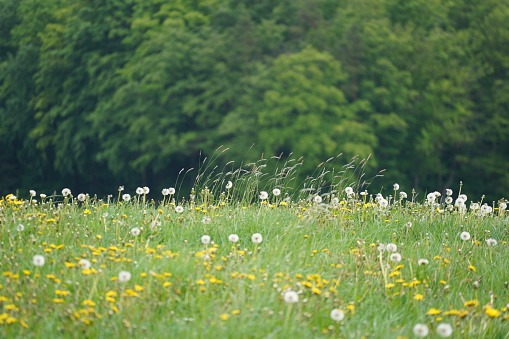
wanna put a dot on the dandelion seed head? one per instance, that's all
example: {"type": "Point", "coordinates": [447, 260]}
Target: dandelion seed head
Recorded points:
{"type": "Point", "coordinates": [421, 330]}
{"type": "Point", "coordinates": [205, 239]}
{"type": "Point", "coordinates": [179, 209]}
{"type": "Point", "coordinates": [135, 231]}
{"type": "Point", "coordinates": [256, 238]}
{"type": "Point", "coordinates": [291, 297]}
{"type": "Point", "coordinates": [337, 314]}
{"type": "Point", "coordinates": [349, 190]}
{"type": "Point", "coordinates": [465, 236]}
{"type": "Point", "coordinates": [276, 192]}
{"type": "Point", "coordinates": [85, 264]}
{"type": "Point", "coordinates": [38, 260]}
{"type": "Point", "coordinates": [32, 193]}
{"type": "Point", "coordinates": [395, 257]}
{"type": "Point", "coordinates": [396, 187]}
{"type": "Point", "coordinates": [124, 276]}
{"type": "Point", "coordinates": [423, 262]}
{"type": "Point", "coordinates": [229, 185]}
{"type": "Point", "coordinates": [263, 195]}
{"type": "Point", "coordinates": [165, 191]}
{"type": "Point", "coordinates": [146, 190]}
{"type": "Point", "coordinates": [139, 190]}
{"type": "Point", "coordinates": [126, 197]}
{"type": "Point", "coordinates": [444, 330]}
{"type": "Point", "coordinates": [391, 247]}
{"type": "Point", "coordinates": [502, 206]}
{"type": "Point", "coordinates": [206, 220]}
{"type": "Point", "coordinates": [403, 195]}
{"type": "Point", "coordinates": [491, 242]}
{"type": "Point", "coordinates": [20, 228]}
{"type": "Point", "coordinates": [66, 192]}
{"type": "Point", "coordinates": [448, 192]}
{"type": "Point", "coordinates": [233, 238]}
{"type": "Point", "coordinates": [317, 199]}
{"type": "Point", "coordinates": [82, 197]}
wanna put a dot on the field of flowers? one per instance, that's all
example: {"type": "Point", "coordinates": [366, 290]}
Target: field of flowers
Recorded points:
{"type": "Point", "coordinates": [343, 264]}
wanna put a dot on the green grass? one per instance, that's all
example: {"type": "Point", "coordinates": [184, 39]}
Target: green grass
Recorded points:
{"type": "Point", "coordinates": [328, 253]}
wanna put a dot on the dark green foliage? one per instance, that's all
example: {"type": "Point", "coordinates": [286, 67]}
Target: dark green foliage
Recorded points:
{"type": "Point", "coordinates": [98, 93]}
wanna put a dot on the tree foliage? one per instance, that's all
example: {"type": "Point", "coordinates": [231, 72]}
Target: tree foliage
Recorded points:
{"type": "Point", "coordinates": [95, 93]}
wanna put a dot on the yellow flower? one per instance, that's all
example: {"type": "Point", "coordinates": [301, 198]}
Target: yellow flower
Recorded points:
{"type": "Point", "coordinates": [88, 302]}
{"type": "Point", "coordinates": [138, 288]}
{"type": "Point", "coordinates": [58, 301]}
{"type": "Point", "coordinates": [166, 284]}
{"type": "Point", "coordinates": [235, 312]}
{"type": "Point", "coordinates": [418, 297]}
{"type": "Point", "coordinates": [225, 316]}
{"type": "Point", "coordinates": [492, 312]}
{"type": "Point", "coordinates": [434, 311]}
{"type": "Point", "coordinates": [472, 268]}
{"type": "Point", "coordinates": [474, 303]}
{"type": "Point", "coordinates": [390, 285]}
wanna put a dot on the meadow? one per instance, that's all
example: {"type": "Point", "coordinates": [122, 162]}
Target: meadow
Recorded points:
{"type": "Point", "coordinates": [235, 261]}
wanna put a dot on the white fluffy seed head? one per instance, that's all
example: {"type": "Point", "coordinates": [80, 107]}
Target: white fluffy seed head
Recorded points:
{"type": "Point", "coordinates": [291, 297]}
{"type": "Point", "coordinates": [337, 315]}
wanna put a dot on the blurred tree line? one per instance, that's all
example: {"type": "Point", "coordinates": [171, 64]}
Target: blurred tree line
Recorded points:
{"type": "Point", "coordinates": [94, 94]}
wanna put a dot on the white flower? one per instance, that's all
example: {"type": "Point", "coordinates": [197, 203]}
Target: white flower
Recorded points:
{"type": "Point", "coordinates": [502, 206]}
{"type": "Point", "coordinates": [66, 192]}
{"type": "Point", "coordinates": [431, 197]}
{"type": "Point", "coordinates": [82, 197]}
{"type": "Point", "coordinates": [317, 199]}
{"type": "Point", "coordinates": [12, 197]}
{"type": "Point", "coordinates": [257, 238]}
{"type": "Point", "coordinates": [465, 236]}
{"type": "Point", "coordinates": [85, 264]}
{"type": "Point", "coordinates": [276, 192]}
{"type": "Point", "coordinates": [33, 193]}
{"type": "Point", "coordinates": [205, 239]}
{"type": "Point", "coordinates": [146, 190]}
{"type": "Point", "coordinates": [463, 197]}
{"type": "Point", "coordinates": [349, 190]}
{"type": "Point", "coordinates": [474, 206]}
{"type": "Point", "coordinates": [381, 247]}
{"type": "Point", "coordinates": [179, 209]}
{"type": "Point", "coordinates": [335, 200]}
{"type": "Point", "coordinates": [135, 231]}
{"type": "Point", "coordinates": [491, 242]}
{"type": "Point", "coordinates": [408, 224]}
{"type": "Point", "coordinates": [423, 262]}
{"type": "Point", "coordinates": [444, 330]}
{"type": "Point", "coordinates": [124, 276]}
{"type": "Point", "coordinates": [126, 197]}
{"type": "Point", "coordinates": [171, 191]}
{"type": "Point", "coordinates": [337, 315]}
{"type": "Point", "coordinates": [421, 330]}
{"type": "Point", "coordinates": [229, 185]}
{"type": "Point", "coordinates": [120, 188]}
{"type": "Point", "coordinates": [383, 203]}
{"type": "Point", "coordinates": [20, 228]}
{"type": "Point", "coordinates": [392, 247]}
{"type": "Point", "coordinates": [42, 195]}
{"type": "Point", "coordinates": [396, 257]}
{"type": "Point", "coordinates": [165, 192]}
{"type": "Point", "coordinates": [206, 220]}
{"type": "Point", "coordinates": [448, 192]}
{"type": "Point", "coordinates": [402, 195]}
{"type": "Point", "coordinates": [139, 190]}
{"type": "Point", "coordinates": [233, 237]}
{"type": "Point", "coordinates": [396, 187]}
{"type": "Point", "coordinates": [485, 209]}
{"type": "Point", "coordinates": [38, 260]}
{"type": "Point", "coordinates": [291, 297]}
{"type": "Point", "coordinates": [263, 195]}
{"type": "Point", "coordinates": [448, 200]}
{"type": "Point", "coordinates": [437, 194]}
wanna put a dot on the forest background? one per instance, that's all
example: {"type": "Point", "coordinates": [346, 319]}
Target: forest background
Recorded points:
{"type": "Point", "coordinates": [97, 94]}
